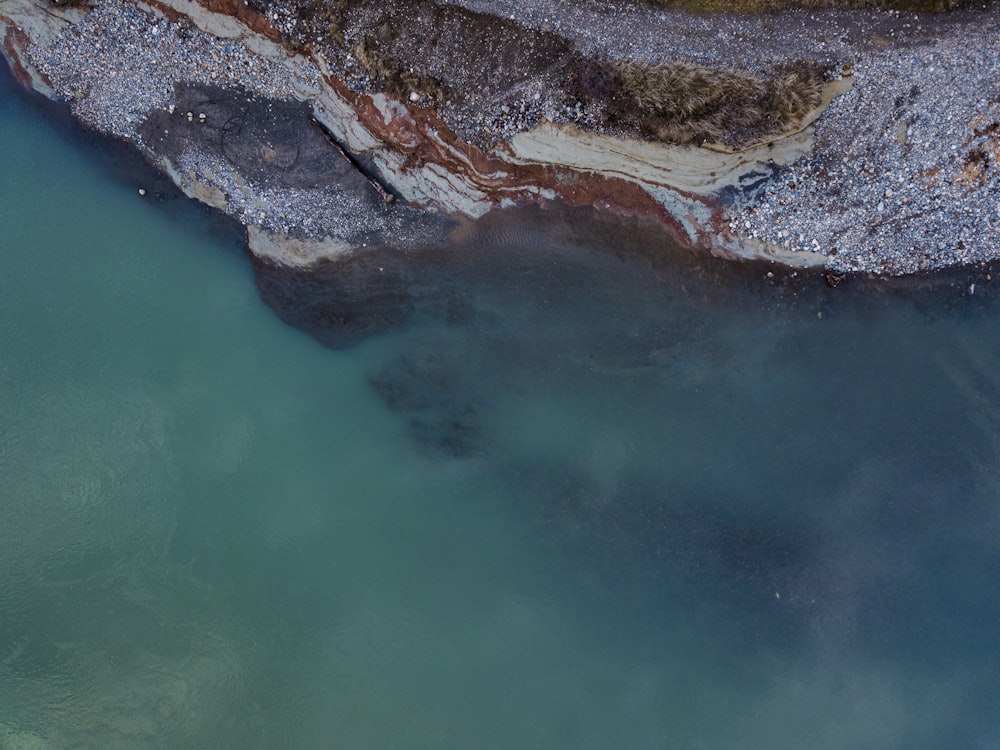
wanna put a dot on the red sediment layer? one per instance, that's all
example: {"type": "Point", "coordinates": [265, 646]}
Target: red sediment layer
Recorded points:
{"type": "Point", "coordinates": [15, 42]}
{"type": "Point", "coordinates": [235, 8]}
{"type": "Point", "coordinates": [245, 14]}
{"type": "Point", "coordinates": [423, 138]}
{"type": "Point", "coordinates": [170, 13]}
{"type": "Point", "coordinates": [421, 134]}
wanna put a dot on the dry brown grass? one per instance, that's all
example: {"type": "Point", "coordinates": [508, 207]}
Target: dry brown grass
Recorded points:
{"type": "Point", "coordinates": [684, 103]}
{"type": "Point", "coordinates": [392, 76]}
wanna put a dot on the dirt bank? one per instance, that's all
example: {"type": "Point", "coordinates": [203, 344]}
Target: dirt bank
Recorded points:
{"type": "Point", "coordinates": [301, 118]}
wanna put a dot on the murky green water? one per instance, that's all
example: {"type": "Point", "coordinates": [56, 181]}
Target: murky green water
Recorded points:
{"type": "Point", "coordinates": [566, 505]}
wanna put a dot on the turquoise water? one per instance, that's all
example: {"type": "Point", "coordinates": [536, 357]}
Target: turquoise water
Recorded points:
{"type": "Point", "coordinates": [577, 499]}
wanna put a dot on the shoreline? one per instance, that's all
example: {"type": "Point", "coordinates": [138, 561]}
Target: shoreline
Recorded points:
{"type": "Point", "coordinates": [785, 213]}
{"type": "Point", "coordinates": [970, 284]}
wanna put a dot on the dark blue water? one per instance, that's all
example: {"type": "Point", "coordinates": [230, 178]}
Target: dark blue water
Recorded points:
{"type": "Point", "coordinates": [561, 485]}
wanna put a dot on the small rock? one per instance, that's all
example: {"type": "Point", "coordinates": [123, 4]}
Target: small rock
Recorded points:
{"type": "Point", "coordinates": [833, 279]}
{"type": "Point", "coordinates": [414, 96]}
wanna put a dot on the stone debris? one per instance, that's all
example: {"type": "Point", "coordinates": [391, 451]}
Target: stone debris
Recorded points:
{"type": "Point", "coordinates": [141, 57]}
{"type": "Point", "coordinates": [904, 175]}
{"type": "Point", "coordinates": [873, 202]}
{"type": "Point", "coordinates": [905, 172]}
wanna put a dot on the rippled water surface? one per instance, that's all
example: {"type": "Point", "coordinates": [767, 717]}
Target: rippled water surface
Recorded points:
{"type": "Point", "coordinates": [573, 496]}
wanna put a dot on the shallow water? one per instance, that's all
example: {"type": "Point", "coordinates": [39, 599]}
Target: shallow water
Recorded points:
{"type": "Point", "coordinates": [576, 490]}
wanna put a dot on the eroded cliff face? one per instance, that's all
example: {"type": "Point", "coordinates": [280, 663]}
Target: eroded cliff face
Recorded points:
{"type": "Point", "coordinates": [314, 167]}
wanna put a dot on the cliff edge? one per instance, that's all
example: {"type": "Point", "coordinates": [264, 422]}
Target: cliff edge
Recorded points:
{"type": "Point", "coordinates": [857, 140]}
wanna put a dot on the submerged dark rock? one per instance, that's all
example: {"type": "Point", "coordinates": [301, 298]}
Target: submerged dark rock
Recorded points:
{"type": "Point", "coordinates": [424, 388]}
{"type": "Point", "coordinates": [340, 303]}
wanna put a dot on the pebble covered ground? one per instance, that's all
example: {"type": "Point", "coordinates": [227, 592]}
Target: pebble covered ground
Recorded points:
{"type": "Point", "coordinates": [142, 57]}
{"type": "Point", "coordinates": [905, 173]}
{"type": "Point", "coordinates": [313, 213]}
{"type": "Point", "coordinates": [904, 176]}
{"type": "Point", "coordinates": [865, 199]}
{"type": "Point", "coordinates": [753, 43]}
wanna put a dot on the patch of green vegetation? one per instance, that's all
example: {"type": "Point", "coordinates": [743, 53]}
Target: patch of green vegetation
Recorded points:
{"type": "Point", "coordinates": [685, 104]}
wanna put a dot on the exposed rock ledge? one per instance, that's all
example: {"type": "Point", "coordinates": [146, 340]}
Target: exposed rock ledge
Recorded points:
{"type": "Point", "coordinates": [210, 95]}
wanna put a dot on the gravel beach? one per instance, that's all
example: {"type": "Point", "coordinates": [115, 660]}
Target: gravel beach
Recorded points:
{"type": "Point", "coordinates": [145, 63]}
{"type": "Point", "coordinates": [903, 176]}
{"type": "Point", "coordinates": [905, 171]}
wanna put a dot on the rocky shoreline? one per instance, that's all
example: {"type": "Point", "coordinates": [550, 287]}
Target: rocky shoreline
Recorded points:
{"type": "Point", "coordinates": [896, 172]}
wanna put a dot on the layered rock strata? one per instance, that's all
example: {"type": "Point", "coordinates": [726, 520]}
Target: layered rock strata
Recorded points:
{"type": "Point", "coordinates": [316, 161]}
{"type": "Point", "coordinates": [212, 98]}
